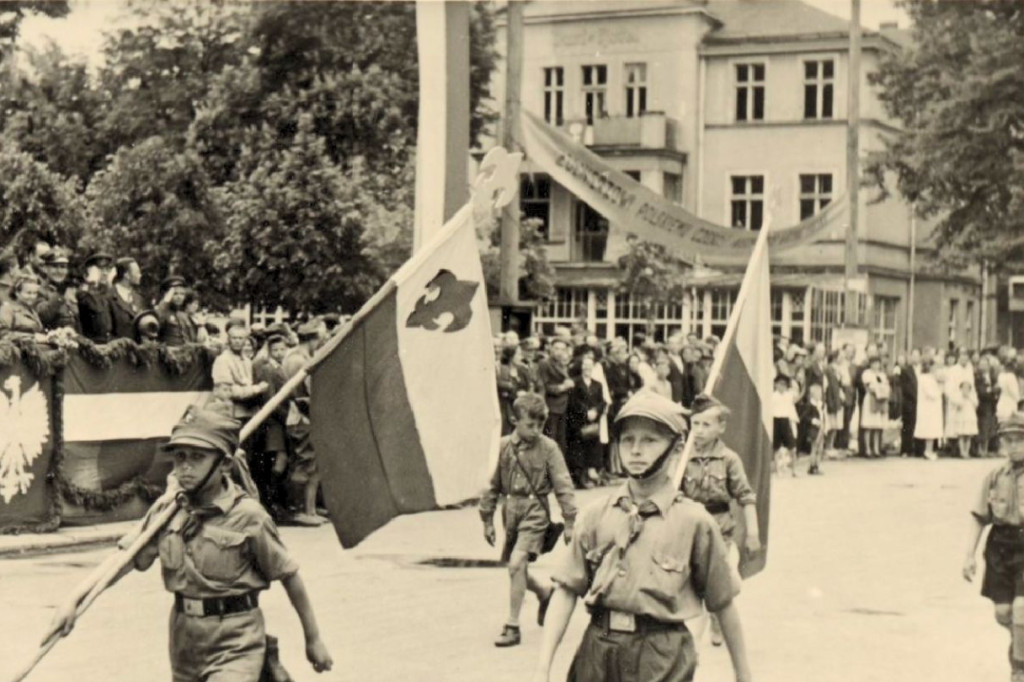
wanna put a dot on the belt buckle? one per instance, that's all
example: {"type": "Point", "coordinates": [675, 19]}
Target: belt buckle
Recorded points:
{"type": "Point", "coordinates": [192, 607]}
{"type": "Point", "coordinates": [619, 621]}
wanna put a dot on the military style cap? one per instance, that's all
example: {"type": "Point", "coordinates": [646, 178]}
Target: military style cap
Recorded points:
{"type": "Point", "coordinates": [655, 407]}
{"type": "Point", "coordinates": [98, 258]}
{"type": "Point", "coordinates": [55, 256]}
{"type": "Point", "coordinates": [172, 281]}
{"type": "Point", "coordinates": [1013, 423]}
{"type": "Point", "coordinates": [530, 343]}
{"type": "Point", "coordinates": [206, 429]}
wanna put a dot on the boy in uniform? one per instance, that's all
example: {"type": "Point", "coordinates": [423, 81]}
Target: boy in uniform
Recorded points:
{"type": "Point", "coordinates": [216, 554]}
{"type": "Point", "coordinates": [529, 467]}
{"type": "Point", "coordinates": [644, 559]}
{"type": "Point", "coordinates": [714, 477]}
{"type": "Point", "coordinates": [1001, 505]}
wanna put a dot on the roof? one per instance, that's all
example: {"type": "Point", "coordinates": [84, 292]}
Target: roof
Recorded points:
{"type": "Point", "coordinates": [567, 10]}
{"type": "Point", "coordinates": [753, 19]}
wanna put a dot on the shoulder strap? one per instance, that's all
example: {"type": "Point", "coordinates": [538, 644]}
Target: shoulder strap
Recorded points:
{"type": "Point", "coordinates": [540, 498]}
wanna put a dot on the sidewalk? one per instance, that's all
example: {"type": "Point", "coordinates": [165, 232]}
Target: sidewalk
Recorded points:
{"type": "Point", "coordinates": [67, 538]}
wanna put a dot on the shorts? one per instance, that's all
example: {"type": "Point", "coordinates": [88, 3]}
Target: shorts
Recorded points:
{"type": "Point", "coordinates": [1004, 564]}
{"type": "Point", "coordinates": [217, 649]}
{"type": "Point", "coordinates": [525, 523]}
{"type": "Point", "coordinates": [302, 467]}
{"type": "Point", "coordinates": [659, 656]}
{"type": "Point", "coordinates": [782, 434]}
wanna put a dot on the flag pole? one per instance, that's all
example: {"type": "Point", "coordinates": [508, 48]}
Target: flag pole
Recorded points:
{"type": "Point", "coordinates": [730, 333]}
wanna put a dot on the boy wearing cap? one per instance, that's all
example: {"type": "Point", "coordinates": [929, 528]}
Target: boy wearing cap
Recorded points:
{"type": "Point", "coordinates": [1001, 505]}
{"type": "Point", "coordinates": [714, 477]}
{"type": "Point", "coordinates": [530, 467]}
{"type": "Point", "coordinates": [216, 554]}
{"type": "Point", "coordinates": [645, 559]}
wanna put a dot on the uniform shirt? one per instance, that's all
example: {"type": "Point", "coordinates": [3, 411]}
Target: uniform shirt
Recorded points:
{"type": "Point", "coordinates": [1001, 501]}
{"type": "Point", "coordinates": [715, 477]}
{"type": "Point", "coordinates": [546, 466]}
{"type": "Point", "coordinates": [236, 550]}
{"type": "Point", "coordinates": [677, 561]}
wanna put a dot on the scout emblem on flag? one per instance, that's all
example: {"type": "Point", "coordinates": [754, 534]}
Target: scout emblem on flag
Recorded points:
{"type": "Point", "coordinates": [24, 427]}
{"type": "Point", "coordinates": [448, 295]}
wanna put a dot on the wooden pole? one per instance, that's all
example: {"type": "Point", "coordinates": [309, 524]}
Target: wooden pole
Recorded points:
{"type": "Point", "coordinates": [442, 139]}
{"type": "Point", "coordinates": [509, 282]}
{"type": "Point", "coordinates": [853, 155]}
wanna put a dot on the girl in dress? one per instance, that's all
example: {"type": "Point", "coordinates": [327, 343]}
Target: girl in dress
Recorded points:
{"type": "Point", "coordinates": [929, 410]}
{"type": "Point", "coordinates": [964, 414]}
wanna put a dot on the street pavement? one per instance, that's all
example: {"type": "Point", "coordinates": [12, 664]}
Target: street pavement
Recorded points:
{"type": "Point", "coordinates": [863, 583]}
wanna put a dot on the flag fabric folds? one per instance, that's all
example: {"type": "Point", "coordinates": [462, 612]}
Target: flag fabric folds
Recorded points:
{"type": "Point", "coordinates": [745, 386]}
{"type": "Point", "coordinates": [403, 412]}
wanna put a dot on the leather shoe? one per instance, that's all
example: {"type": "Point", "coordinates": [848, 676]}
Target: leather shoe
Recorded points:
{"type": "Point", "coordinates": [509, 636]}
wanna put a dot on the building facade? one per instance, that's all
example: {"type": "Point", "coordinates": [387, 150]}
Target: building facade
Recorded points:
{"type": "Point", "coordinates": [735, 110]}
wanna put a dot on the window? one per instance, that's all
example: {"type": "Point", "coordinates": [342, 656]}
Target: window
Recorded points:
{"type": "Point", "coordinates": [721, 307]}
{"type": "Point", "coordinates": [954, 313]}
{"type": "Point", "coordinates": [567, 308]}
{"type": "Point", "coordinates": [750, 92]}
{"type": "Point", "coordinates": [819, 86]}
{"type": "Point", "coordinates": [815, 193]}
{"type": "Point", "coordinates": [633, 174]}
{"type": "Point", "coordinates": [969, 324]}
{"type": "Point", "coordinates": [674, 187]}
{"type": "Point", "coordinates": [776, 313]}
{"type": "Point", "coordinates": [535, 200]}
{"type": "Point", "coordinates": [797, 315]}
{"type": "Point", "coordinates": [658, 321]}
{"type": "Point", "coordinates": [747, 201]}
{"type": "Point", "coordinates": [590, 236]}
{"type": "Point", "coordinates": [554, 94]}
{"type": "Point", "coordinates": [886, 311]}
{"type": "Point", "coordinates": [595, 83]}
{"type": "Point", "coordinates": [826, 314]}
{"type": "Point", "coordinates": [636, 89]}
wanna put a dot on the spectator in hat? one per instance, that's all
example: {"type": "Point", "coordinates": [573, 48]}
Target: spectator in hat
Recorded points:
{"type": "Point", "coordinates": [94, 299]}
{"type": "Point", "coordinates": [18, 314]}
{"type": "Point", "coordinates": [174, 328]}
{"type": "Point", "coordinates": [58, 302]}
{"type": "Point", "coordinates": [126, 303]}
{"type": "Point", "coordinates": [304, 473]}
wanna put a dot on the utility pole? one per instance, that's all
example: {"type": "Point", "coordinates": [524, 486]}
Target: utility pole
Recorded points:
{"type": "Point", "coordinates": [509, 258]}
{"type": "Point", "coordinates": [852, 155]}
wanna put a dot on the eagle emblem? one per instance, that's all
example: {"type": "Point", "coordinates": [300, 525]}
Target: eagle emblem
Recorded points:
{"type": "Point", "coordinates": [24, 427]}
{"type": "Point", "coordinates": [447, 303]}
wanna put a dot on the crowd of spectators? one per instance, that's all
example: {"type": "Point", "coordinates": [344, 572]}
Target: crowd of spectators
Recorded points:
{"type": "Point", "coordinates": [840, 402]}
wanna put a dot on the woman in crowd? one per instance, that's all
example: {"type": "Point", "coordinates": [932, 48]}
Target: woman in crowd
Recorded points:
{"type": "Point", "coordinates": [18, 314]}
{"type": "Point", "coordinates": [985, 388]}
{"type": "Point", "coordinates": [635, 382]}
{"type": "Point", "coordinates": [833, 403]}
{"type": "Point", "coordinates": [1009, 391]}
{"type": "Point", "coordinates": [929, 409]}
{"type": "Point", "coordinates": [963, 414]}
{"type": "Point", "coordinates": [875, 406]}
{"type": "Point", "coordinates": [583, 428]}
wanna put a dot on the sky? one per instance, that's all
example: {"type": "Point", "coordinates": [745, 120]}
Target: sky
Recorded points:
{"type": "Point", "coordinates": [81, 32]}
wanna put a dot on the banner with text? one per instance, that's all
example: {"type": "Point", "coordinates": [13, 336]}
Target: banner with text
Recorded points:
{"type": "Point", "coordinates": [629, 205]}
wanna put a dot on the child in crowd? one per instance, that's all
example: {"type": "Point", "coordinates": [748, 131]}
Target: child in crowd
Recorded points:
{"type": "Point", "coordinates": [812, 434]}
{"type": "Point", "coordinates": [784, 418]}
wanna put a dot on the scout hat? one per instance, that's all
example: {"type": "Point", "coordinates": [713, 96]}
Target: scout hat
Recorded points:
{"type": "Point", "coordinates": [207, 430]}
{"type": "Point", "coordinates": [655, 407]}
{"type": "Point", "coordinates": [1012, 424]}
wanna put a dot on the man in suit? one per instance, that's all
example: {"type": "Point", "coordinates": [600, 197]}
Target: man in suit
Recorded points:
{"type": "Point", "coordinates": [57, 306]}
{"type": "Point", "coordinates": [94, 299]}
{"type": "Point", "coordinates": [553, 374]}
{"type": "Point", "coordinates": [125, 300]}
{"type": "Point", "coordinates": [676, 370]}
{"type": "Point", "coordinates": [908, 404]}
{"type": "Point", "coordinates": [584, 408]}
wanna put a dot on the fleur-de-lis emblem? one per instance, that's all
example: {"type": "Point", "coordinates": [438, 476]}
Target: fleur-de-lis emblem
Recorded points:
{"type": "Point", "coordinates": [498, 182]}
{"type": "Point", "coordinates": [24, 427]}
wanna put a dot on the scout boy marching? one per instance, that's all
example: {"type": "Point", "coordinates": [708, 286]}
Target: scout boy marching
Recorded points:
{"type": "Point", "coordinates": [1001, 506]}
{"type": "Point", "coordinates": [530, 467]}
{"type": "Point", "coordinates": [216, 555]}
{"type": "Point", "coordinates": [714, 477]}
{"type": "Point", "coordinates": [644, 559]}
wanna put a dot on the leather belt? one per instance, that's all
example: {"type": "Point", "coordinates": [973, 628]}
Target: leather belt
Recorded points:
{"type": "Point", "coordinates": [216, 606]}
{"type": "Point", "coordinates": [717, 507]}
{"type": "Point", "coordinates": [610, 620]}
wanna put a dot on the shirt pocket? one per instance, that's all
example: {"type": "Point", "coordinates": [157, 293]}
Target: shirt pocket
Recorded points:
{"type": "Point", "coordinates": [220, 554]}
{"type": "Point", "coordinates": [670, 573]}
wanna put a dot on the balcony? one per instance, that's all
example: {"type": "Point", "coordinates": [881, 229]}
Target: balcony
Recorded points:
{"type": "Point", "coordinates": [652, 130]}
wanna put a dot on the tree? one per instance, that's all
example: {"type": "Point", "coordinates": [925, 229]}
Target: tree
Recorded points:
{"type": "Point", "coordinates": [35, 202]}
{"type": "Point", "coordinates": [651, 276]}
{"type": "Point", "coordinates": [12, 12]}
{"type": "Point", "coordinates": [296, 228]}
{"type": "Point", "coordinates": [537, 281]}
{"type": "Point", "coordinates": [960, 156]}
{"type": "Point", "coordinates": [153, 202]}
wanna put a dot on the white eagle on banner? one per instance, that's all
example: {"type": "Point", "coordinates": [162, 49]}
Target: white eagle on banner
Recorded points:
{"type": "Point", "coordinates": [24, 427]}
